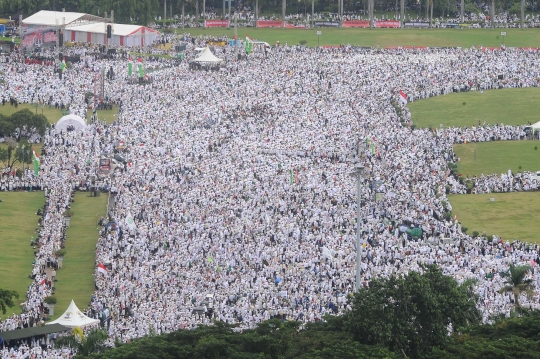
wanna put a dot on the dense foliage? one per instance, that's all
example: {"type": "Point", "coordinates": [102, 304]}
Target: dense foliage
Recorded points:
{"type": "Point", "coordinates": [410, 315]}
{"type": "Point", "coordinates": [22, 123]}
{"type": "Point", "coordinates": [508, 338]}
{"type": "Point", "coordinates": [6, 299]}
{"type": "Point", "coordinates": [143, 11]}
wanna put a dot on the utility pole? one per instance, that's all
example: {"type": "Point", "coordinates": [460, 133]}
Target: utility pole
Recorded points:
{"type": "Point", "coordinates": [312, 13]}
{"type": "Point", "coordinates": [370, 10]}
{"type": "Point", "coordinates": [402, 14]}
{"type": "Point", "coordinates": [235, 35]}
{"type": "Point", "coordinates": [256, 12]}
{"type": "Point", "coordinates": [522, 15]}
{"type": "Point", "coordinates": [229, 13]}
{"type": "Point", "coordinates": [492, 14]}
{"type": "Point", "coordinates": [359, 170]}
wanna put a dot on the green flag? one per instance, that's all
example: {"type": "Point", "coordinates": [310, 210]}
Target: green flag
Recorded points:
{"type": "Point", "coordinates": [130, 68]}
{"type": "Point", "coordinates": [248, 45]}
{"type": "Point", "coordinates": [292, 178]}
{"type": "Point", "coordinates": [140, 67]}
{"type": "Point", "coordinates": [36, 161]}
{"type": "Point", "coordinates": [210, 260]}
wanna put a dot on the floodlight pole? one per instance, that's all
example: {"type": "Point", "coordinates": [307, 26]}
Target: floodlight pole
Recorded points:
{"type": "Point", "coordinates": [235, 35]}
{"type": "Point", "coordinates": [359, 170]}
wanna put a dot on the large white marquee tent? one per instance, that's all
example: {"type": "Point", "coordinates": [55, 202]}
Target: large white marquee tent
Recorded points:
{"type": "Point", "coordinates": [73, 317]}
{"type": "Point", "coordinates": [122, 35]}
{"type": "Point", "coordinates": [80, 27]}
{"type": "Point", "coordinates": [56, 18]}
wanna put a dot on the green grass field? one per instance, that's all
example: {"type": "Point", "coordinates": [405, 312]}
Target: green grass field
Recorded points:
{"type": "Point", "coordinates": [498, 157]}
{"type": "Point", "coordinates": [510, 216]}
{"type": "Point", "coordinates": [18, 223]}
{"type": "Point", "coordinates": [383, 37]}
{"type": "Point", "coordinates": [52, 115]}
{"type": "Point", "coordinates": [465, 109]}
{"type": "Point", "coordinates": [108, 115]}
{"type": "Point", "coordinates": [75, 278]}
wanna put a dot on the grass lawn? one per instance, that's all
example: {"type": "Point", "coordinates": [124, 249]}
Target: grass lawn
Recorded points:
{"type": "Point", "coordinates": [510, 216]}
{"type": "Point", "coordinates": [53, 115]}
{"type": "Point", "coordinates": [18, 223]}
{"type": "Point", "coordinates": [465, 109]}
{"type": "Point", "coordinates": [75, 278]}
{"type": "Point", "coordinates": [498, 157]}
{"type": "Point", "coordinates": [108, 115]}
{"type": "Point", "coordinates": [382, 37]}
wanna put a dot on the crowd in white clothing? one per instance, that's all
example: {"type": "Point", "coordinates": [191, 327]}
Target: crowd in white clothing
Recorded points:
{"type": "Point", "coordinates": [238, 185]}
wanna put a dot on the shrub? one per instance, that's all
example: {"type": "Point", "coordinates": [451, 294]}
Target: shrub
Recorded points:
{"type": "Point", "coordinates": [464, 229]}
{"type": "Point", "coordinates": [60, 253]}
{"type": "Point", "coordinates": [475, 234]}
{"type": "Point", "coordinates": [302, 42]}
{"type": "Point", "coordinates": [50, 300]}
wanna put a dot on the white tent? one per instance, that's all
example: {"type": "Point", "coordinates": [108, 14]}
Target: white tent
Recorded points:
{"type": "Point", "coordinates": [535, 126]}
{"type": "Point", "coordinates": [70, 120]}
{"type": "Point", "coordinates": [54, 18]}
{"type": "Point", "coordinates": [73, 317]}
{"type": "Point", "coordinates": [122, 34]}
{"type": "Point", "coordinates": [208, 57]}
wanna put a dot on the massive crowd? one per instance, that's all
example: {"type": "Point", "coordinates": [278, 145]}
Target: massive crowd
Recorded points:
{"type": "Point", "coordinates": [237, 200]}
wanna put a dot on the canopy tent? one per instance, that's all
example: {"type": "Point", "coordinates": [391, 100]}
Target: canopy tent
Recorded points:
{"type": "Point", "coordinates": [70, 120]}
{"type": "Point", "coordinates": [535, 126]}
{"type": "Point", "coordinates": [207, 57]}
{"type": "Point", "coordinates": [55, 18]}
{"type": "Point", "coordinates": [73, 317]}
{"type": "Point", "coordinates": [31, 332]}
{"type": "Point", "coordinates": [122, 34]}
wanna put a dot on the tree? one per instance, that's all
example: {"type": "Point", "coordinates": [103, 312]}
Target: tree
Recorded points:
{"type": "Point", "coordinates": [506, 338]}
{"type": "Point", "coordinates": [94, 342]}
{"type": "Point", "coordinates": [6, 299]}
{"type": "Point", "coordinates": [16, 153]}
{"type": "Point", "coordinates": [516, 283]}
{"type": "Point", "coordinates": [413, 313]}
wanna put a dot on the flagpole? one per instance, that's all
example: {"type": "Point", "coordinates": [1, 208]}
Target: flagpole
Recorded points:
{"type": "Point", "coordinates": [235, 35]}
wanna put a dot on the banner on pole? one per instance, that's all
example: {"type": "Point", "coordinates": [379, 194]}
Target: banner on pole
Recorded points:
{"type": "Point", "coordinates": [216, 23]}
{"type": "Point", "coordinates": [269, 23]}
{"type": "Point", "coordinates": [356, 23]}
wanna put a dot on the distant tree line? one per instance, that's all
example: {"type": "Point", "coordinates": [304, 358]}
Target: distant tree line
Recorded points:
{"type": "Point", "coordinates": [144, 11]}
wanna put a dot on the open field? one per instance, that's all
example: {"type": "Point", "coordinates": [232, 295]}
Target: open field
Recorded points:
{"type": "Point", "coordinates": [108, 115]}
{"type": "Point", "coordinates": [18, 223]}
{"type": "Point", "coordinates": [466, 109]}
{"type": "Point", "coordinates": [498, 157]}
{"type": "Point", "coordinates": [510, 216]}
{"type": "Point", "coordinates": [75, 278]}
{"type": "Point", "coordinates": [382, 37]}
{"type": "Point", "coordinates": [52, 114]}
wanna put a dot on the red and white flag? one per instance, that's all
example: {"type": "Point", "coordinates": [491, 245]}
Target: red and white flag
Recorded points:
{"type": "Point", "coordinates": [101, 268]}
{"type": "Point", "coordinates": [402, 97]}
